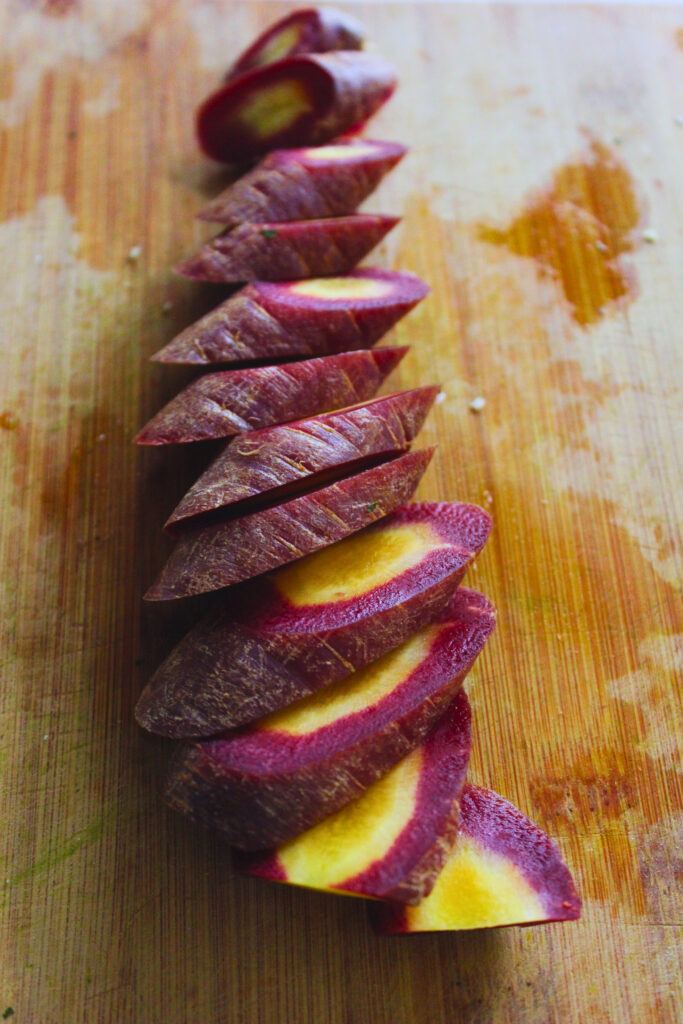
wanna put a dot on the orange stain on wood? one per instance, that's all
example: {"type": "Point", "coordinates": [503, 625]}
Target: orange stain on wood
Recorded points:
{"type": "Point", "coordinates": [577, 229]}
{"type": "Point", "coordinates": [8, 420]}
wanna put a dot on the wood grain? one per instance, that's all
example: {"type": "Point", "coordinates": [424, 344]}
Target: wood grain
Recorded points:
{"type": "Point", "coordinates": [536, 134]}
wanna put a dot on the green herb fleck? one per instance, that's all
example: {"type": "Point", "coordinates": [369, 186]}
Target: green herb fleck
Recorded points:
{"type": "Point", "coordinates": [372, 507]}
{"type": "Point", "coordinates": [268, 232]}
{"type": "Point", "coordinates": [9, 1012]}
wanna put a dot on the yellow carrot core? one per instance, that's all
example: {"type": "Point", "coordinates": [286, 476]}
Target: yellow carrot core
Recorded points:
{"type": "Point", "coordinates": [333, 152]}
{"type": "Point", "coordinates": [342, 288]}
{"type": "Point", "coordinates": [278, 46]}
{"type": "Point", "coordinates": [476, 889]}
{"type": "Point", "coordinates": [359, 691]}
{"type": "Point", "coordinates": [357, 565]}
{"type": "Point", "coordinates": [354, 838]}
{"type": "Point", "coordinates": [274, 107]}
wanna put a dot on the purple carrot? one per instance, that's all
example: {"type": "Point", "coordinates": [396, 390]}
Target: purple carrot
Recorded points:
{"type": "Point", "coordinates": [319, 316]}
{"type": "Point", "coordinates": [233, 401]}
{"type": "Point", "coordinates": [305, 184]}
{"type": "Point", "coordinates": [298, 101]}
{"type": "Point", "coordinates": [283, 252]}
{"type": "Point", "coordinates": [311, 30]}
{"type": "Point", "coordinates": [277, 461]}
{"type": "Point", "coordinates": [208, 558]}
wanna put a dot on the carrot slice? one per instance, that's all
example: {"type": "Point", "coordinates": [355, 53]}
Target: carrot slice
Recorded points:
{"type": "Point", "coordinates": [211, 557]}
{"type": "Point", "coordinates": [317, 316]}
{"type": "Point", "coordinates": [306, 184]}
{"type": "Point", "coordinates": [298, 101]}
{"type": "Point", "coordinates": [282, 252]}
{"type": "Point", "coordinates": [279, 461]}
{"type": "Point", "coordinates": [390, 843]}
{"type": "Point", "coordinates": [503, 870]}
{"type": "Point", "coordinates": [314, 622]}
{"type": "Point", "coordinates": [235, 401]}
{"type": "Point", "coordinates": [264, 784]}
{"type": "Point", "coordinates": [311, 30]}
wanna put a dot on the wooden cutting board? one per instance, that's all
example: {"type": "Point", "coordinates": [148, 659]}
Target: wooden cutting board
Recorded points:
{"type": "Point", "coordinates": [542, 202]}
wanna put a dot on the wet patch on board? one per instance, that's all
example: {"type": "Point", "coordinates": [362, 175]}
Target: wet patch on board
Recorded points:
{"type": "Point", "coordinates": [577, 230]}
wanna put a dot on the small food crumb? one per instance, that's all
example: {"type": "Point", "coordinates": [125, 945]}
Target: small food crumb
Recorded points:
{"type": "Point", "coordinates": [101, 437]}
{"type": "Point", "coordinates": [477, 404]}
{"type": "Point", "coordinates": [441, 397]}
{"type": "Point", "coordinates": [134, 253]}
{"type": "Point", "coordinates": [601, 247]}
{"type": "Point", "coordinates": [650, 235]}
{"type": "Point", "coordinates": [167, 307]}
{"type": "Point", "coordinates": [46, 735]}
{"type": "Point", "coordinates": [9, 1012]}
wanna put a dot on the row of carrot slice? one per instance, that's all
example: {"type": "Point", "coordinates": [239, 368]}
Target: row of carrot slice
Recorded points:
{"type": "Point", "coordinates": [357, 771]}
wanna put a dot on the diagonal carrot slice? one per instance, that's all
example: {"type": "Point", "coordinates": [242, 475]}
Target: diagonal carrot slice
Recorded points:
{"type": "Point", "coordinates": [503, 870]}
{"type": "Point", "coordinates": [235, 401]}
{"type": "Point", "coordinates": [311, 30]}
{"type": "Point", "coordinates": [283, 252]}
{"type": "Point", "coordinates": [315, 622]}
{"type": "Point", "coordinates": [277, 461]}
{"type": "Point", "coordinates": [394, 839]}
{"type": "Point", "coordinates": [265, 784]}
{"type": "Point", "coordinates": [306, 184]}
{"type": "Point", "coordinates": [298, 101]}
{"type": "Point", "coordinates": [316, 316]}
{"type": "Point", "coordinates": [211, 557]}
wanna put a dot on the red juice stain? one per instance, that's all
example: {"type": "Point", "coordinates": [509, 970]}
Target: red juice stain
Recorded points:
{"type": "Point", "coordinates": [577, 229]}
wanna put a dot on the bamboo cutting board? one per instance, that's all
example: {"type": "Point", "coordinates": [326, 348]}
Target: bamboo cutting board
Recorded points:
{"type": "Point", "coordinates": [542, 202]}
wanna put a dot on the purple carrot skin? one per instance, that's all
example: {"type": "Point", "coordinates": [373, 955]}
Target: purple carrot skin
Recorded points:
{"type": "Point", "coordinates": [306, 184]}
{"type": "Point", "coordinates": [211, 557]}
{"type": "Point", "coordinates": [261, 463]}
{"type": "Point", "coordinates": [311, 30]}
{"type": "Point", "coordinates": [513, 874]}
{"type": "Point", "coordinates": [298, 101]}
{"type": "Point", "coordinates": [300, 642]}
{"type": "Point", "coordinates": [260, 786]}
{"type": "Point", "coordinates": [234, 401]}
{"type": "Point", "coordinates": [395, 860]}
{"type": "Point", "coordinates": [318, 316]}
{"type": "Point", "coordinates": [285, 252]}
